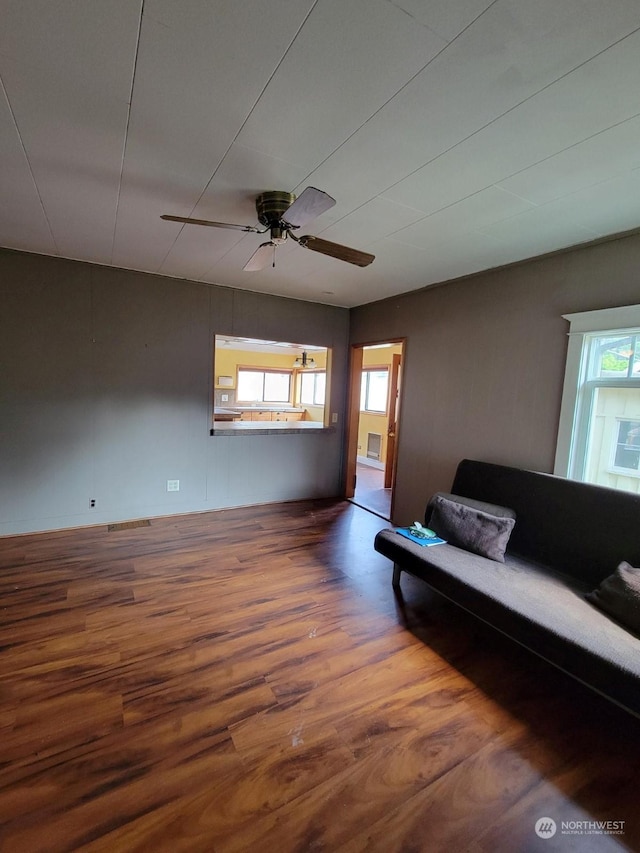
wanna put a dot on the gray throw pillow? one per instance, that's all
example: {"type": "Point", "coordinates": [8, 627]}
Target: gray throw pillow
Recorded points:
{"type": "Point", "coordinates": [490, 509]}
{"type": "Point", "coordinates": [471, 528]}
{"type": "Point", "coordinates": [619, 596]}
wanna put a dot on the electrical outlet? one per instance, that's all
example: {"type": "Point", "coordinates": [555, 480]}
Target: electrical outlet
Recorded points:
{"type": "Point", "coordinates": [334, 418]}
{"type": "Point", "coordinates": [92, 503]}
{"type": "Point", "coordinates": [173, 485]}
{"type": "Point", "coordinates": [224, 398]}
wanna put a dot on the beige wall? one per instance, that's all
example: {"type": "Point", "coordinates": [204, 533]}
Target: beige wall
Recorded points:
{"type": "Point", "coordinates": [484, 361]}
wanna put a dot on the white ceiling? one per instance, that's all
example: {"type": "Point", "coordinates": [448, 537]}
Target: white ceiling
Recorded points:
{"type": "Point", "coordinates": [257, 345]}
{"type": "Point", "coordinates": [456, 135]}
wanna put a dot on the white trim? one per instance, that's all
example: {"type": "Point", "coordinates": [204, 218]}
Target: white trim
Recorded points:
{"type": "Point", "coordinates": [603, 320]}
{"type": "Point", "coordinates": [625, 472]}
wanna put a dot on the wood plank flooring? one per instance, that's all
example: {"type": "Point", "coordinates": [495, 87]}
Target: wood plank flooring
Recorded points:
{"type": "Point", "coordinates": [246, 680]}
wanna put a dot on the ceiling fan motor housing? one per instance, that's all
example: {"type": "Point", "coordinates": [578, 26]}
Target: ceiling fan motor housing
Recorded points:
{"type": "Point", "coordinates": [271, 207]}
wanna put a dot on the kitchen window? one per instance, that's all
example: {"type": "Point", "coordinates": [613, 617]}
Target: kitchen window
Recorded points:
{"type": "Point", "coordinates": [264, 386]}
{"type": "Point", "coordinates": [313, 387]}
{"type": "Point", "coordinates": [374, 390]}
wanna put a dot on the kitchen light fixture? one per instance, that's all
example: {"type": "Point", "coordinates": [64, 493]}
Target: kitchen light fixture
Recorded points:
{"type": "Point", "coordinates": [304, 362]}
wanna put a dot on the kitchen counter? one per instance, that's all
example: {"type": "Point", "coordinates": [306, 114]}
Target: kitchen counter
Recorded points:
{"type": "Point", "coordinates": [273, 427]}
{"type": "Point", "coordinates": [223, 414]}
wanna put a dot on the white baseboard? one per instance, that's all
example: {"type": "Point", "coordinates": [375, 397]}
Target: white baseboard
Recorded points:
{"type": "Point", "coordinates": [372, 463]}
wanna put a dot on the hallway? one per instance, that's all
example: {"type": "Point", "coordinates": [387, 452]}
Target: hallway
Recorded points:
{"type": "Point", "coordinates": [370, 492]}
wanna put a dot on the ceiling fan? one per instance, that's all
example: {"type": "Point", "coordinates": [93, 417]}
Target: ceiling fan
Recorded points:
{"type": "Point", "coordinates": [281, 213]}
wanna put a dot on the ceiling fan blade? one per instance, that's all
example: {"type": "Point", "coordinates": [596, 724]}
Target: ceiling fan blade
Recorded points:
{"type": "Point", "coordinates": [261, 258]}
{"type": "Point", "coordinates": [335, 250]}
{"type": "Point", "coordinates": [309, 204]}
{"type": "Point", "coordinates": [189, 221]}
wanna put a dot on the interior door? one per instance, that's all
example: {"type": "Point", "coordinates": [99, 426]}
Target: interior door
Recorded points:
{"type": "Point", "coordinates": [394, 397]}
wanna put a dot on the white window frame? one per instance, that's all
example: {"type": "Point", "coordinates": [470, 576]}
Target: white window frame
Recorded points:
{"type": "Point", "coordinates": [582, 327]}
{"type": "Point", "coordinates": [314, 374]}
{"type": "Point", "coordinates": [364, 402]}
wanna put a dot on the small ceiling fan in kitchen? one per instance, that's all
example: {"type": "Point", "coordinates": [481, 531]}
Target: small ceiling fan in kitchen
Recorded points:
{"type": "Point", "coordinates": [282, 213]}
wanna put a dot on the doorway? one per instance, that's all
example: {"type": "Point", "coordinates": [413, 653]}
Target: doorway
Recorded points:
{"type": "Point", "coordinates": [373, 420]}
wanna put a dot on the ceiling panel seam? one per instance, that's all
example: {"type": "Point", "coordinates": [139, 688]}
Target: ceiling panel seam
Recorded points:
{"type": "Point", "coordinates": [497, 184]}
{"type": "Point", "coordinates": [479, 130]}
{"type": "Point", "coordinates": [395, 94]}
{"type": "Point", "coordinates": [515, 107]}
{"type": "Point", "coordinates": [26, 157]}
{"type": "Point", "coordinates": [242, 125]}
{"type": "Point", "coordinates": [558, 152]}
{"type": "Point", "coordinates": [126, 131]}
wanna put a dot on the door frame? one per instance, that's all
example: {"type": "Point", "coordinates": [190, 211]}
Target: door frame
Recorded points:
{"type": "Point", "coordinates": [393, 403]}
{"type": "Point", "coordinates": [353, 415]}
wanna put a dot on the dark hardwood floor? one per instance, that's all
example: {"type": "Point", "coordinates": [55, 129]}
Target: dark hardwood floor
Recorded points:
{"type": "Point", "coordinates": [246, 680]}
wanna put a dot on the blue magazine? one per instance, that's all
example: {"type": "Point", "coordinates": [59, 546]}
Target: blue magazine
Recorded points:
{"type": "Point", "coordinates": [419, 540]}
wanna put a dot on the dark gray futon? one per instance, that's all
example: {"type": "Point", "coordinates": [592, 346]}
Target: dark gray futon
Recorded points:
{"type": "Point", "coordinates": [567, 538]}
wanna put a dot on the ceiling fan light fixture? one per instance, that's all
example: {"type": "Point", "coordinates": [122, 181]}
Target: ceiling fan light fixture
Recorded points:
{"type": "Point", "coordinates": [278, 235]}
{"type": "Point", "coordinates": [304, 362]}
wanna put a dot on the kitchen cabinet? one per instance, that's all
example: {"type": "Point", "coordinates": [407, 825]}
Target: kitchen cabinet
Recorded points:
{"type": "Point", "coordinates": [271, 415]}
{"type": "Point", "coordinates": [288, 416]}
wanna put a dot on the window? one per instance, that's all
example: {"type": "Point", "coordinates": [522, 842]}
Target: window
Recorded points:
{"type": "Point", "coordinates": [312, 388]}
{"type": "Point", "coordinates": [599, 434]}
{"type": "Point", "coordinates": [264, 386]}
{"type": "Point", "coordinates": [373, 390]}
{"type": "Point", "coordinates": [627, 448]}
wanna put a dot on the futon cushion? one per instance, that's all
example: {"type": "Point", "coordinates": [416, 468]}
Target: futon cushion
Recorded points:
{"type": "Point", "coordinates": [619, 596]}
{"type": "Point", "coordinates": [472, 527]}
